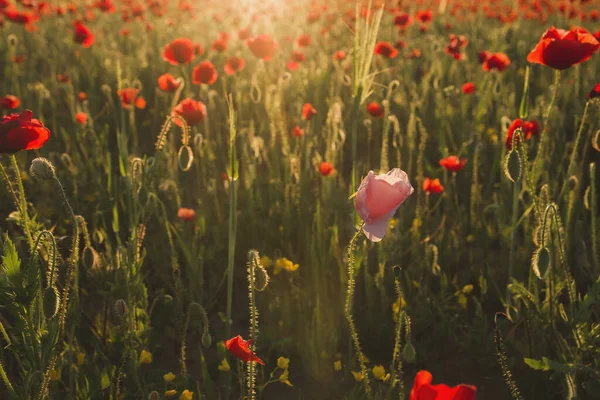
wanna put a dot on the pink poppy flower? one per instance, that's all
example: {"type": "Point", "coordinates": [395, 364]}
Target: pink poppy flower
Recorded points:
{"type": "Point", "coordinates": [378, 198]}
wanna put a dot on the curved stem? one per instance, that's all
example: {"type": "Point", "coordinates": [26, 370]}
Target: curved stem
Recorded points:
{"type": "Point", "coordinates": [23, 201]}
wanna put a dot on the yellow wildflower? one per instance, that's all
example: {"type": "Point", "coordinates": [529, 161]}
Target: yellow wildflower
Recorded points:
{"type": "Point", "coordinates": [170, 393]}
{"type": "Point", "coordinates": [392, 223]}
{"type": "Point", "coordinates": [55, 374]}
{"type": "Point", "coordinates": [337, 365]}
{"type": "Point", "coordinates": [379, 373]}
{"type": "Point", "coordinates": [186, 395]}
{"type": "Point", "coordinates": [266, 261]}
{"type": "Point", "coordinates": [224, 366]}
{"type": "Point", "coordinates": [283, 362]}
{"type": "Point", "coordinates": [169, 377]}
{"type": "Point", "coordinates": [284, 378]}
{"type": "Point", "coordinates": [80, 358]}
{"type": "Point", "coordinates": [145, 357]}
{"type": "Point", "coordinates": [358, 376]}
{"type": "Point", "coordinates": [284, 263]}
{"type": "Point", "coordinates": [467, 290]}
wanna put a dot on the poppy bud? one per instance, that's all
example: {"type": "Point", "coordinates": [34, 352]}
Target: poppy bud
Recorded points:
{"type": "Point", "coordinates": [185, 157]}
{"type": "Point", "coordinates": [541, 262]}
{"type": "Point", "coordinates": [42, 168]}
{"type": "Point", "coordinates": [512, 166]}
{"type": "Point", "coordinates": [51, 301]}
{"type": "Point", "coordinates": [121, 308]}
{"type": "Point", "coordinates": [13, 41]}
{"type": "Point", "coordinates": [397, 271]}
{"type": "Point", "coordinates": [206, 339]}
{"type": "Point", "coordinates": [154, 395]}
{"type": "Point", "coordinates": [409, 354]}
{"type": "Point", "coordinates": [572, 182]}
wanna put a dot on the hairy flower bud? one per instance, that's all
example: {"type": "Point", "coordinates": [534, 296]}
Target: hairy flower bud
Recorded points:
{"type": "Point", "coordinates": [42, 168]}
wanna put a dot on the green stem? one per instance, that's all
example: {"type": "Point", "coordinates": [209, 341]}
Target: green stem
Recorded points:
{"type": "Point", "coordinates": [23, 201]}
{"type": "Point", "coordinates": [348, 313]}
{"type": "Point", "coordinates": [538, 162]}
{"type": "Point", "coordinates": [513, 241]}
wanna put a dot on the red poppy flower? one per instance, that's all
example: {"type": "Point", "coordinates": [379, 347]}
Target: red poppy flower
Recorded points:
{"type": "Point", "coordinates": [10, 102]}
{"type": "Point", "coordinates": [83, 35]}
{"type": "Point", "coordinates": [468, 87]}
{"type": "Point", "coordinates": [234, 65]}
{"type": "Point", "coordinates": [432, 186]}
{"type": "Point", "coordinates": [82, 96]}
{"type": "Point", "coordinates": [375, 109]}
{"type": "Point", "coordinates": [453, 163]}
{"type": "Point", "coordinates": [186, 214]}
{"type": "Point", "coordinates": [339, 55]}
{"type": "Point", "coordinates": [482, 56]}
{"type": "Point", "coordinates": [415, 53]}
{"type": "Point", "coordinates": [308, 111]}
{"type": "Point", "coordinates": [128, 96]}
{"type": "Point", "coordinates": [561, 49]}
{"type": "Point", "coordinates": [303, 40]}
{"type": "Point", "coordinates": [81, 118]}
{"type": "Point", "coordinates": [140, 103]}
{"type": "Point", "coordinates": [204, 72]}
{"type": "Point", "coordinates": [106, 6]}
{"type": "Point", "coordinates": [125, 32]}
{"type": "Point", "coordinates": [168, 83]}
{"type": "Point", "coordinates": [219, 45]}
{"type": "Point", "coordinates": [238, 347]}
{"type": "Point", "coordinates": [179, 51]}
{"type": "Point", "coordinates": [457, 42]}
{"type": "Point", "coordinates": [21, 132]}
{"type": "Point", "coordinates": [498, 61]}
{"type": "Point", "coordinates": [424, 15]}
{"type": "Point", "coordinates": [529, 128]}
{"type": "Point", "coordinates": [244, 34]}
{"type": "Point", "coordinates": [385, 49]}
{"type": "Point", "coordinates": [64, 78]}
{"type": "Point", "coordinates": [595, 92]}
{"type": "Point", "coordinates": [20, 17]}
{"type": "Point", "coordinates": [423, 389]}
{"type": "Point", "coordinates": [400, 44]}
{"type": "Point", "coordinates": [403, 20]}
{"type": "Point", "coordinates": [199, 49]}
{"type": "Point", "coordinates": [297, 131]}
{"type": "Point", "coordinates": [297, 56]}
{"type": "Point", "coordinates": [326, 168]}
{"type": "Point", "coordinates": [192, 111]}
{"type": "Point", "coordinates": [263, 46]}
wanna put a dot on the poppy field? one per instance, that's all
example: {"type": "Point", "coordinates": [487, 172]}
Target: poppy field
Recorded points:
{"type": "Point", "coordinates": [302, 199]}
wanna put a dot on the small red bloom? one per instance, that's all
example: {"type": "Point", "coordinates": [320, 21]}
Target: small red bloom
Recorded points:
{"type": "Point", "coordinates": [453, 163]}
{"type": "Point", "coordinates": [198, 49]}
{"type": "Point", "coordinates": [424, 15]}
{"type": "Point", "coordinates": [238, 347]}
{"type": "Point", "coordinates": [179, 51]}
{"type": "Point", "coordinates": [375, 109]}
{"type": "Point", "coordinates": [186, 214]}
{"type": "Point", "coordinates": [244, 34]}
{"type": "Point", "coordinates": [234, 65]}
{"type": "Point", "coordinates": [128, 96]}
{"type": "Point", "coordinates": [303, 40]}
{"type": "Point", "coordinates": [482, 56]}
{"type": "Point", "coordinates": [82, 96]}
{"type": "Point", "coordinates": [432, 186]}
{"type": "Point", "coordinates": [308, 111]}
{"type": "Point", "coordinates": [297, 131]}
{"type": "Point", "coordinates": [423, 389]}
{"type": "Point", "coordinates": [297, 56]}
{"type": "Point", "coordinates": [81, 118]}
{"type": "Point", "coordinates": [204, 72]}
{"type": "Point", "coordinates": [140, 103]}
{"type": "Point", "coordinates": [529, 128]}
{"type": "Point", "coordinates": [326, 168]}
{"type": "Point", "coordinates": [595, 92]}
{"type": "Point", "coordinates": [403, 20]}
{"type": "Point", "coordinates": [339, 55]}
{"type": "Point", "coordinates": [9, 102]}
{"type": "Point", "coordinates": [468, 87]}
{"type": "Point", "coordinates": [64, 78]}
{"type": "Point", "coordinates": [192, 111]}
{"type": "Point", "coordinates": [219, 45]}
{"type": "Point", "coordinates": [21, 132]}
{"type": "Point", "coordinates": [83, 35]}
{"type": "Point", "coordinates": [498, 61]}
{"type": "Point", "coordinates": [561, 49]}
{"type": "Point", "coordinates": [168, 83]}
{"type": "Point", "coordinates": [385, 49]}
{"type": "Point", "coordinates": [263, 46]}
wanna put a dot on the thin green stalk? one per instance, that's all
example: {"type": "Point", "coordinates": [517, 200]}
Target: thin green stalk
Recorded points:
{"type": "Point", "coordinates": [23, 202]}
{"type": "Point", "coordinates": [538, 162]}
{"type": "Point", "coordinates": [503, 361]}
{"type": "Point", "coordinates": [513, 241]}
{"type": "Point", "coordinates": [594, 212]}
{"type": "Point", "coordinates": [348, 313]}
{"type": "Point", "coordinates": [233, 175]}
